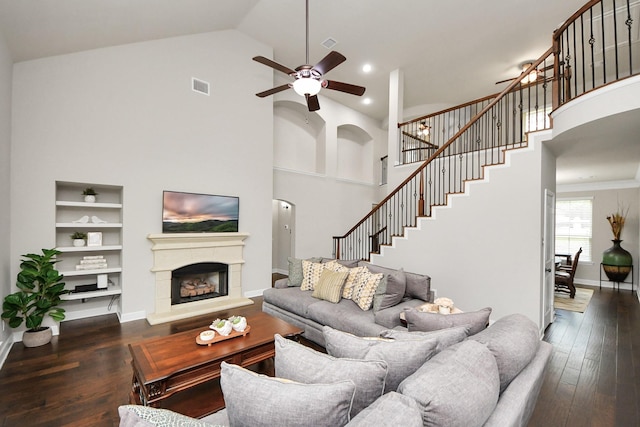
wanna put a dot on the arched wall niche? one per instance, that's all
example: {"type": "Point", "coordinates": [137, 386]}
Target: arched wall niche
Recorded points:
{"type": "Point", "coordinates": [355, 152]}
{"type": "Point", "coordinates": [299, 138]}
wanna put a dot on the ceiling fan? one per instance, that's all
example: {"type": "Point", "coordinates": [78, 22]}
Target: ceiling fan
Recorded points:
{"type": "Point", "coordinates": [308, 79]}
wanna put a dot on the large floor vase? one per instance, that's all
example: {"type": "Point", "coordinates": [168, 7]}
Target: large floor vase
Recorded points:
{"type": "Point", "coordinates": [37, 338]}
{"type": "Point", "coordinates": [616, 262]}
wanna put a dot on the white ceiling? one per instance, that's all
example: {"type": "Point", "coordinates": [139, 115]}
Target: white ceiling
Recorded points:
{"type": "Point", "coordinates": [451, 51]}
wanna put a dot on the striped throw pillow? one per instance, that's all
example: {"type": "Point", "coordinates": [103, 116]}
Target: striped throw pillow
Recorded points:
{"type": "Point", "coordinates": [329, 287]}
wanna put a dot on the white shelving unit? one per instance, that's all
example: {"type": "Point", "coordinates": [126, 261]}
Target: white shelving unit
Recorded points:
{"type": "Point", "coordinates": [70, 207]}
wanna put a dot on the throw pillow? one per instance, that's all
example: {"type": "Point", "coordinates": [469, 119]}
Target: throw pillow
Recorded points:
{"type": "Point", "coordinates": [146, 416]}
{"type": "Point", "coordinates": [513, 340]}
{"type": "Point", "coordinates": [349, 284]}
{"type": "Point", "coordinates": [444, 337]}
{"type": "Point", "coordinates": [403, 357]}
{"type": "Point", "coordinates": [349, 263]}
{"type": "Point", "coordinates": [255, 400]}
{"type": "Point", "coordinates": [424, 321]}
{"type": "Point", "coordinates": [365, 288]}
{"type": "Point", "coordinates": [311, 272]}
{"type": "Point", "coordinates": [390, 291]}
{"type": "Point", "coordinates": [458, 387]}
{"type": "Point", "coordinates": [295, 270]}
{"type": "Point", "coordinates": [329, 287]}
{"type": "Point", "coordinates": [391, 410]}
{"type": "Point", "coordinates": [302, 364]}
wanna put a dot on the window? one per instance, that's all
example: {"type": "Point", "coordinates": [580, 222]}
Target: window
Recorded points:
{"type": "Point", "coordinates": [573, 227]}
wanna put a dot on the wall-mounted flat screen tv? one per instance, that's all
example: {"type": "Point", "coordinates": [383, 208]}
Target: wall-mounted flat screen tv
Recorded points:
{"type": "Point", "coordinates": [199, 213]}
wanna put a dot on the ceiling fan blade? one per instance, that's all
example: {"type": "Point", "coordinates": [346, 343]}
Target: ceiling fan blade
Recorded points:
{"type": "Point", "coordinates": [273, 64]}
{"type": "Point", "coordinates": [329, 62]}
{"type": "Point", "coordinates": [344, 87]}
{"type": "Point", "coordinates": [272, 91]}
{"type": "Point", "coordinates": [312, 102]}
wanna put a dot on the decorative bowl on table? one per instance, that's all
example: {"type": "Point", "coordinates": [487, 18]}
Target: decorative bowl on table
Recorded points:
{"type": "Point", "coordinates": [207, 335]}
{"type": "Point", "coordinates": [238, 323]}
{"type": "Point", "coordinates": [222, 326]}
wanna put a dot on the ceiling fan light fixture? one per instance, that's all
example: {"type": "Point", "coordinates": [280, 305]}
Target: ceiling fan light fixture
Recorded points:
{"type": "Point", "coordinates": [531, 77]}
{"type": "Point", "coordinates": [307, 85]}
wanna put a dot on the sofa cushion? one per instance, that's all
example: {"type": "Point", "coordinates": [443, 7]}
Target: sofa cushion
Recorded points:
{"type": "Point", "coordinates": [390, 317]}
{"type": "Point", "coordinates": [303, 364]}
{"type": "Point", "coordinates": [330, 285]}
{"type": "Point", "coordinates": [295, 270]}
{"type": "Point", "coordinates": [146, 416]}
{"type": "Point", "coordinates": [425, 321]}
{"type": "Point", "coordinates": [444, 337]}
{"type": "Point", "coordinates": [254, 400]}
{"type": "Point", "coordinates": [365, 289]}
{"type": "Point", "coordinates": [390, 291]}
{"type": "Point", "coordinates": [311, 272]}
{"type": "Point", "coordinates": [417, 285]}
{"type": "Point", "coordinates": [293, 300]}
{"type": "Point", "coordinates": [345, 316]}
{"type": "Point", "coordinates": [391, 410]}
{"type": "Point", "coordinates": [403, 357]}
{"type": "Point", "coordinates": [513, 340]}
{"type": "Point", "coordinates": [458, 387]}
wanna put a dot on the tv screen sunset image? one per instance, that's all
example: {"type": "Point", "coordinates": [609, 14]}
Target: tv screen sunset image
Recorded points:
{"type": "Point", "coordinates": [199, 213]}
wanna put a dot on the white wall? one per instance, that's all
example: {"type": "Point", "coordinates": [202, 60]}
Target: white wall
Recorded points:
{"type": "Point", "coordinates": [126, 115]}
{"type": "Point", "coordinates": [326, 204]}
{"type": "Point", "coordinates": [484, 248]}
{"type": "Point", "coordinates": [6, 67]}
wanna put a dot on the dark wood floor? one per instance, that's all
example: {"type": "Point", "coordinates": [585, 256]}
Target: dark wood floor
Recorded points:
{"type": "Point", "coordinates": [84, 375]}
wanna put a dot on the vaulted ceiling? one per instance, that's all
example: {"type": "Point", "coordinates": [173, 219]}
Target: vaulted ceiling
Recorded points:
{"type": "Point", "coordinates": [450, 51]}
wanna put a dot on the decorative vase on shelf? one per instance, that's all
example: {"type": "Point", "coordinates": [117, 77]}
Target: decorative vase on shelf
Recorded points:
{"type": "Point", "coordinates": [90, 198]}
{"type": "Point", "coordinates": [78, 242]}
{"type": "Point", "coordinates": [616, 262]}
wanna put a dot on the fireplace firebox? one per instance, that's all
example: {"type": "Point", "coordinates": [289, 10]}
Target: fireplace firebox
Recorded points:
{"type": "Point", "coordinates": [195, 282]}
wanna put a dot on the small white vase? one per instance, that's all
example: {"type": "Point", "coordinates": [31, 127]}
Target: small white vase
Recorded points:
{"type": "Point", "coordinates": [78, 242]}
{"type": "Point", "coordinates": [444, 310]}
{"type": "Point", "coordinates": [238, 323]}
{"type": "Point", "coordinates": [90, 198]}
{"type": "Point", "coordinates": [222, 330]}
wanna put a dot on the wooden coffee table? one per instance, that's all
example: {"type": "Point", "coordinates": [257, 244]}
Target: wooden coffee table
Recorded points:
{"type": "Point", "coordinates": [167, 366]}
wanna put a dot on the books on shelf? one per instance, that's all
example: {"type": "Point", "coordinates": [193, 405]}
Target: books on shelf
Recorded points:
{"type": "Point", "coordinates": [92, 262]}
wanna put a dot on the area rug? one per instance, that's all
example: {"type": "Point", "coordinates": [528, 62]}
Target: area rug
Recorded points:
{"type": "Point", "coordinates": [579, 303]}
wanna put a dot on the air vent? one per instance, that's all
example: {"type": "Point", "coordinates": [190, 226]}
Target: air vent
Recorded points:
{"type": "Point", "coordinates": [200, 86]}
{"type": "Point", "coordinates": [329, 43]}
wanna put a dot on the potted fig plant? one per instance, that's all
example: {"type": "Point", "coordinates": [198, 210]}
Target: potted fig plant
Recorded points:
{"type": "Point", "coordinates": [40, 287]}
{"type": "Point", "coordinates": [89, 195]}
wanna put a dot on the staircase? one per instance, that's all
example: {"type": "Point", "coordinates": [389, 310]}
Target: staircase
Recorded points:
{"type": "Point", "coordinates": [453, 147]}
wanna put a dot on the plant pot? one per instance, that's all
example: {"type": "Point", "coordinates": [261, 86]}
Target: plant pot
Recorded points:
{"type": "Point", "coordinates": [89, 198]}
{"type": "Point", "coordinates": [78, 242]}
{"type": "Point", "coordinates": [37, 337]}
{"type": "Point", "coordinates": [616, 262]}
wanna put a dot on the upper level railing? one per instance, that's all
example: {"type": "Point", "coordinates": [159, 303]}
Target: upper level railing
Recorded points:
{"type": "Point", "coordinates": [596, 46]}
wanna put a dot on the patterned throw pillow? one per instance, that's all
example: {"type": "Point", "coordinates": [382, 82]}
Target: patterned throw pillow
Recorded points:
{"type": "Point", "coordinates": [138, 416]}
{"type": "Point", "coordinates": [329, 287]}
{"type": "Point", "coordinates": [365, 289]}
{"type": "Point", "coordinates": [311, 272]}
{"type": "Point", "coordinates": [349, 284]}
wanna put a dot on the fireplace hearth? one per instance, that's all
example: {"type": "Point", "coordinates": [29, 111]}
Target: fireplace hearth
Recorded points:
{"type": "Point", "coordinates": [188, 253]}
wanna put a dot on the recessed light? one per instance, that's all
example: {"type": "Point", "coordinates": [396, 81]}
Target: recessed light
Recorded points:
{"type": "Point", "coordinates": [367, 101]}
{"type": "Point", "coordinates": [366, 68]}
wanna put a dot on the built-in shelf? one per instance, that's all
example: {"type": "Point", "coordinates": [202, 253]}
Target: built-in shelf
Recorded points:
{"type": "Point", "coordinates": [89, 205]}
{"type": "Point", "coordinates": [73, 273]}
{"type": "Point", "coordinates": [87, 225]}
{"type": "Point", "coordinates": [70, 208]}
{"type": "Point", "coordinates": [111, 290]}
{"type": "Point", "coordinates": [89, 248]}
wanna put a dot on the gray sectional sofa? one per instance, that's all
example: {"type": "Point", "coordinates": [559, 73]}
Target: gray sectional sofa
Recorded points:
{"type": "Point", "coordinates": [491, 379]}
{"type": "Point", "coordinates": [300, 308]}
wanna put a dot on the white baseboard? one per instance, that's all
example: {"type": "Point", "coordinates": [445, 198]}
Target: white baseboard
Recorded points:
{"type": "Point", "coordinates": [130, 317]}
{"type": "Point", "coordinates": [253, 294]}
{"type": "Point", "coordinates": [605, 284]}
{"type": "Point", "coordinates": [5, 348]}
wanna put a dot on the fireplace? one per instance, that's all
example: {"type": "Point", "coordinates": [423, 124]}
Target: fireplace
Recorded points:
{"type": "Point", "coordinates": [195, 282]}
{"type": "Point", "coordinates": [214, 257]}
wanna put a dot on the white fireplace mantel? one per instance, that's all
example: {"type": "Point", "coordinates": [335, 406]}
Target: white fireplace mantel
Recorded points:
{"type": "Point", "coordinates": [172, 251]}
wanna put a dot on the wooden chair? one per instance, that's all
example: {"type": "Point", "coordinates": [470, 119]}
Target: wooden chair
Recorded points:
{"type": "Point", "coordinates": [565, 275]}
